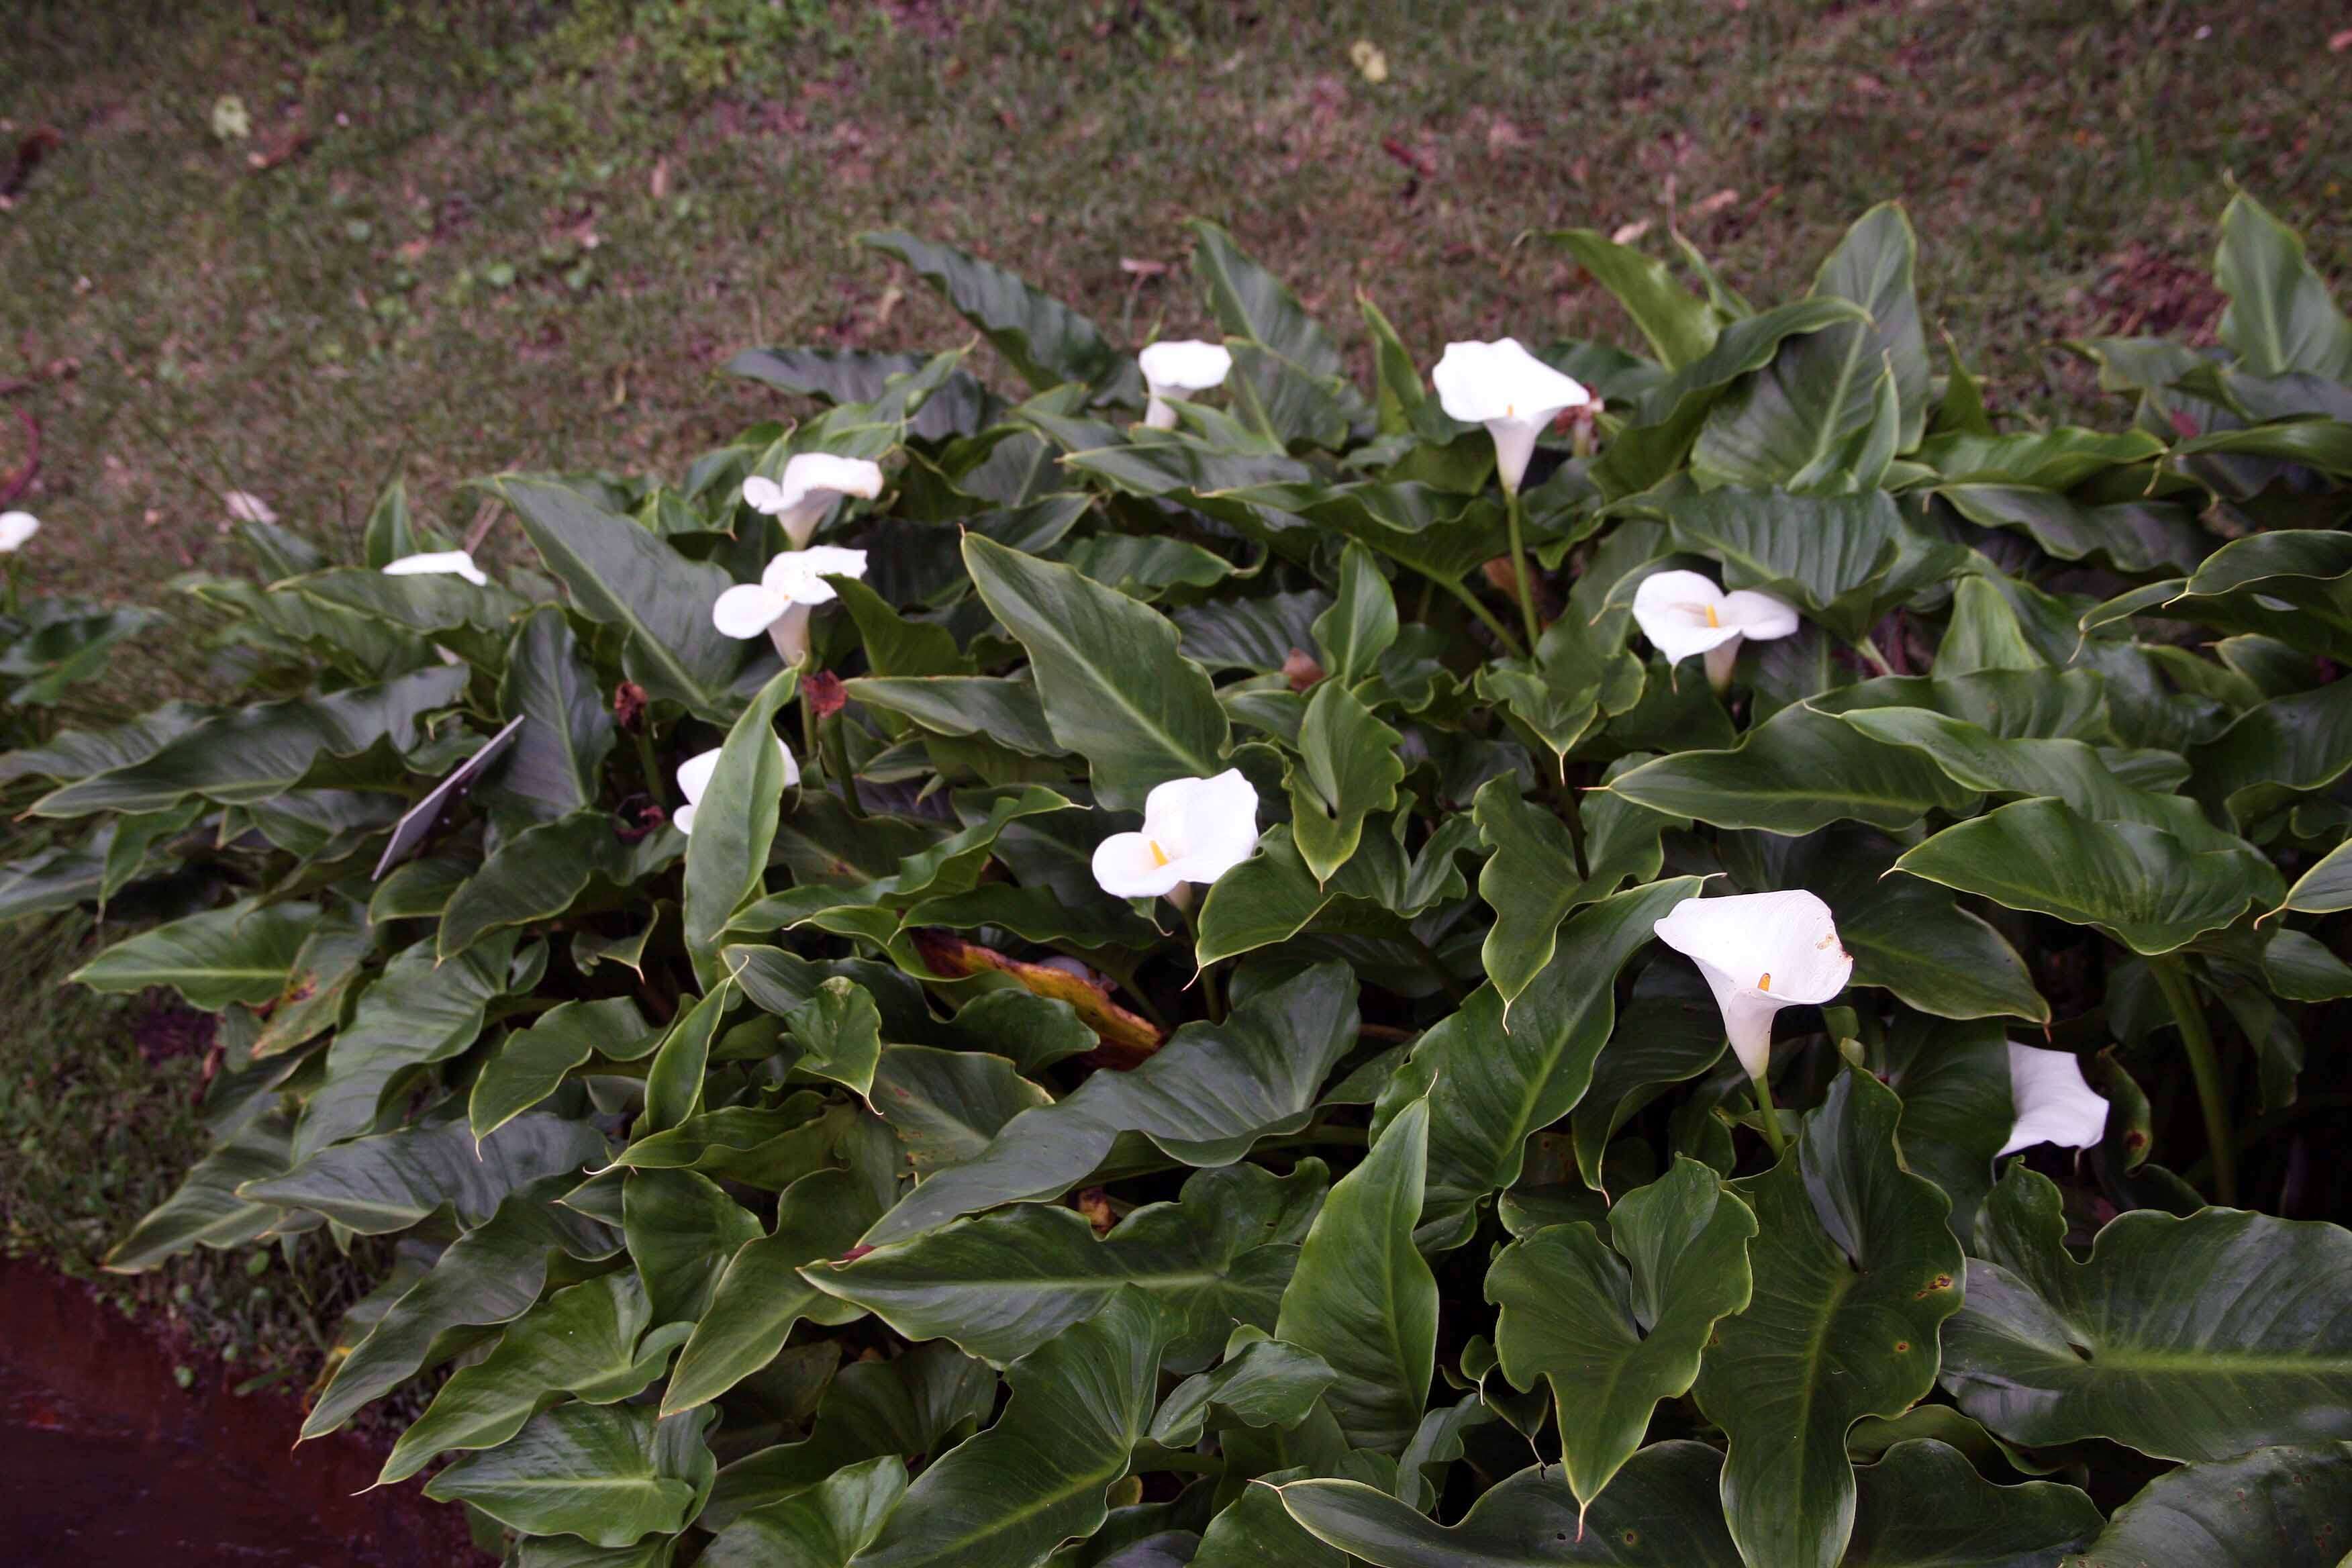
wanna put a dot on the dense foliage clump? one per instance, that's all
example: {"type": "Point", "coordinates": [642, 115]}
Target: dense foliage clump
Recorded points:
{"type": "Point", "coordinates": [1187, 969]}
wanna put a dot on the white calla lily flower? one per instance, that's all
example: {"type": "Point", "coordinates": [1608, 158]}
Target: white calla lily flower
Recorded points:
{"type": "Point", "coordinates": [17, 528]}
{"type": "Point", "coordinates": [2055, 1104]}
{"type": "Point", "coordinates": [438, 563]}
{"type": "Point", "coordinates": [244, 506]}
{"type": "Point", "coordinates": [1194, 830]}
{"type": "Point", "coordinates": [693, 777]}
{"type": "Point", "coordinates": [1682, 614]}
{"type": "Point", "coordinates": [1510, 391]}
{"type": "Point", "coordinates": [1174, 370]}
{"type": "Point", "coordinates": [1759, 953]}
{"type": "Point", "coordinates": [813, 481]}
{"type": "Point", "coordinates": [778, 603]}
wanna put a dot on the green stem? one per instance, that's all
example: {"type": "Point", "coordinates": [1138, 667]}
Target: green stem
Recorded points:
{"type": "Point", "coordinates": [1436, 967]}
{"type": "Point", "coordinates": [1519, 574]}
{"type": "Point", "coordinates": [1869, 651]}
{"type": "Point", "coordinates": [1772, 1133]}
{"type": "Point", "coordinates": [2197, 1039]}
{"type": "Point", "coordinates": [646, 761]}
{"type": "Point", "coordinates": [1486, 616]}
{"type": "Point", "coordinates": [1207, 975]}
{"type": "Point", "coordinates": [836, 763]}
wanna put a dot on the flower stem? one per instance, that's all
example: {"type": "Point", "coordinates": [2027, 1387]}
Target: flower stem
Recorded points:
{"type": "Point", "coordinates": [1526, 586]}
{"type": "Point", "coordinates": [1772, 1133]}
{"type": "Point", "coordinates": [1502, 633]}
{"type": "Point", "coordinates": [2197, 1039]}
{"type": "Point", "coordinates": [836, 763]}
{"type": "Point", "coordinates": [646, 761]}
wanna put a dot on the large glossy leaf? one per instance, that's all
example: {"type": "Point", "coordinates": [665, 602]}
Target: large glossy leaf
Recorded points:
{"type": "Point", "coordinates": [1838, 558]}
{"type": "Point", "coordinates": [257, 753]}
{"type": "Point", "coordinates": [2291, 583]}
{"type": "Point", "coordinates": [391, 1181]}
{"type": "Point", "coordinates": [1661, 1513]}
{"type": "Point", "coordinates": [583, 1341]}
{"type": "Point", "coordinates": [611, 1474]}
{"type": "Point", "coordinates": [2279, 318]}
{"type": "Point", "coordinates": [823, 1527]}
{"type": "Point", "coordinates": [946, 1107]}
{"type": "Point", "coordinates": [1004, 710]}
{"type": "Point", "coordinates": [536, 875]}
{"type": "Point", "coordinates": [207, 1209]}
{"type": "Point", "coordinates": [1957, 1110]}
{"type": "Point", "coordinates": [2326, 887]}
{"type": "Point", "coordinates": [492, 1275]}
{"type": "Point", "coordinates": [1799, 771]}
{"type": "Point", "coordinates": [1492, 1083]}
{"type": "Point", "coordinates": [861, 375]}
{"type": "Point", "coordinates": [1679, 325]}
{"type": "Point", "coordinates": [2135, 536]}
{"type": "Point", "coordinates": [240, 954]}
{"type": "Point", "coordinates": [417, 1013]}
{"type": "Point", "coordinates": [531, 1063]}
{"type": "Point", "coordinates": [558, 758]}
{"type": "Point", "coordinates": [1203, 1099]}
{"type": "Point", "coordinates": [1871, 266]}
{"type": "Point", "coordinates": [735, 821]}
{"type": "Point", "coordinates": [761, 1294]}
{"type": "Point", "coordinates": [1045, 340]}
{"type": "Point", "coordinates": [1359, 626]}
{"type": "Point", "coordinates": [1923, 1505]}
{"type": "Point", "coordinates": [622, 574]}
{"type": "Point", "coordinates": [1614, 1327]}
{"type": "Point", "coordinates": [2145, 887]}
{"type": "Point", "coordinates": [2187, 1339]}
{"type": "Point", "coordinates": [1080, 1404]}
{"type": "Point", "coordinates": [1806, 421]}
{"type": "Point", "coordinates": [924, 1401]}
{"type": "Point", "coordinates": [1854, 1272]}
{"type": "Point", "coordinates": [1116, 689]}
{"type": "Point", "coordinates": [1287, 382]}
{"type": "Point", "coordinates": [1004, 1283]}
{"type": "Point", "coordinates": [1363, 1299]}
{"type": "Point", "coordinates": [2288, 746]}
{"type": "Point", "coordinates": [1441, 535]}
{"type": "Point", "coordinates": [1347, 769]}
{"type": "Point", "coordinates": [1531, 879]}
{"type": "Point", "coordinates": [683, 1230]}
{"type": "Point", "coordinates": [2274, 1507]}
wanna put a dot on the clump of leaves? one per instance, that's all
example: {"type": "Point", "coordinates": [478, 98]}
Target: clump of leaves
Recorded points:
{"type": "Point", "coordinates": [1157, 1046]}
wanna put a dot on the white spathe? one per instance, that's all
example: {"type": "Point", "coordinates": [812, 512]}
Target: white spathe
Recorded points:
{"type": "Point", "coordinates": [1510, 391]}
{"type": "Point", "coordinates": [1759, 953]}
{"type": "Point", "coordinates": [244, 506]}
{"type": "Point", "coordinates": [2054, 1105]}
{"type": "Point", "coordinates": [438, 563]}
{"type": "Point", "coordinates": [16, 529]}
{"type": "Point", "coordinates": [1174, 370]}
{"type": "Point", "coordinates": [1682, 613]}
{"type": "Point", "coordinates": [778, 603]}
{"type": "Point", "coordinates": [1194, 830]}
{"type": "Point", "coordinates": [693, 777]}
{"type": "Point", "coordinates": [813, 481]}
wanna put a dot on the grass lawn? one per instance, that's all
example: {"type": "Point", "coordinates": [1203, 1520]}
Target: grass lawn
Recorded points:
{"type": "Point", "coordinates": [294, 249]}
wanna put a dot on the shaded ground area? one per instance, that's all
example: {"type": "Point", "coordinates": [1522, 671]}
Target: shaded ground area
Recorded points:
{"type": "Point", "coordinates": [292, 248]}
{"type": "Point", "coordinates": [110, 1464]}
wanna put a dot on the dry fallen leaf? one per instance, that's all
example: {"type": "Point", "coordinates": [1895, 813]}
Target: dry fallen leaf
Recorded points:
{"type": "Point", "coordinates": [1626, 234]}
{"type": "Point", "coordinates": [1137, 267]}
